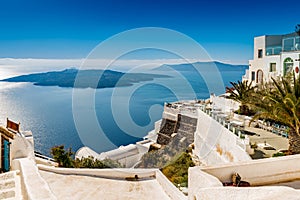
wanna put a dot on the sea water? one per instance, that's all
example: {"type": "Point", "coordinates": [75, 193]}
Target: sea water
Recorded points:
{"type": "Point", "coordinates": [125, 114]}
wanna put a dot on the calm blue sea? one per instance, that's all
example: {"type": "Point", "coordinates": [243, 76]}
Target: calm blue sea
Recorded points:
{"type": "Point", "coordinates": [125, 114]}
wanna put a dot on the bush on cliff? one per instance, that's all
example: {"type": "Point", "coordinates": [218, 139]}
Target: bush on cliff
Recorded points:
{"type": "Point", "coordinates": [64, 159]}
{"type": "Point", "coordinates": [177, 170]}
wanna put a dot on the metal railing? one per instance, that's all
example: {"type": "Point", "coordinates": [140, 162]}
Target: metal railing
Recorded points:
{"type": "Point", "coordinates": [39, 155]}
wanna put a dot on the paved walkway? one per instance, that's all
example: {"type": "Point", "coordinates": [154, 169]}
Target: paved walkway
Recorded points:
{"type": "Point", "coordinates": [263, 137]}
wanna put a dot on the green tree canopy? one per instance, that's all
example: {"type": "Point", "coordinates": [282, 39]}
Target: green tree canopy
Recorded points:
{"type": "Point", "coordinates": [242, 92]}
{"type": "Point", "coordinates": [62, 157]}
{"type": "Point", "coordinates": [280, 101]}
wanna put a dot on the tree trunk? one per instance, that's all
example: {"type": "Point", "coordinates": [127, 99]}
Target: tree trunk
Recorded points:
{"type": "Point", "coordinates": [294, 142]}
{"type": "Point", "coordinates": [244, 109]}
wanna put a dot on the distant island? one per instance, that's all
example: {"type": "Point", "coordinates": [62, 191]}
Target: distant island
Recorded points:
{"type": "Point", "coordinates": [85, 78]}
{"type": "Point", "coordinates": [204, 66]}
{"type": "Point", "coordinates": [110, 78]}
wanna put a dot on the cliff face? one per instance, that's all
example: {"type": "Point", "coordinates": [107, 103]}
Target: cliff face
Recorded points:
{"type": "Point", "coordinates": [175, 135]}
{"type": "Point", "coordinates": [184, 128]}
{"type": "Point", "coordinates": [167, 128]}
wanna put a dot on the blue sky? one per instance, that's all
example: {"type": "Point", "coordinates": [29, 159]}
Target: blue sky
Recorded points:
{"type": "Point", "coordinates": [71, 29]}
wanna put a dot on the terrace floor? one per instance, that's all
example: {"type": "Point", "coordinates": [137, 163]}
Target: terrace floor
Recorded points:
{"type": "Point", "coordinates": [264, 139]}
{"type": "Point", "coordinates": [87, 187]}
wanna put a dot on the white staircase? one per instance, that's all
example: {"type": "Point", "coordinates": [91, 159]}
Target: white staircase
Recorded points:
{"type": "Point", "coordinates": [10, 187]}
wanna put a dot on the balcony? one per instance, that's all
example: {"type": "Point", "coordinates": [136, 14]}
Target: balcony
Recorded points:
{"type": "Point", "coordinates": [273, 50]}
{"type": "Point", "coordinates": [291, 44]}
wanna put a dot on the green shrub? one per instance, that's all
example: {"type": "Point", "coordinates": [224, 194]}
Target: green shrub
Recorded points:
{"type": "Point", "coordinates": [64, 159]}
{"type": "Point", "coordinates": [93, 163]}
{"type": "Point", "coordinates": [278, 154]}
{"type": "Point", "coordinates": [177, 170]}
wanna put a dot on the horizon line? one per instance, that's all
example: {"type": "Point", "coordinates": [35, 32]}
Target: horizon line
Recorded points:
{"type": "Point", "coordinates": [7, 60]}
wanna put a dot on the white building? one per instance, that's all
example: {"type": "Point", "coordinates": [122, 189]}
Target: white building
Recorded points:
{"type": "Point", "coordinates": [128, 155]}
{"type": "Point", "coordinates": [274, 55]}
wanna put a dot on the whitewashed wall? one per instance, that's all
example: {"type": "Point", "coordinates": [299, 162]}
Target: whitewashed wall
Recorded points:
{"type": "Point", "coordinates": [22, 147]}
{"type": "Point", "coordinates": [206, 182]}
{"type": "Point", "coordinates": [214, 144]}
{"type": "Point", "coordinates": [226, 105]}
{"type": "Point", "coordinates": [33, 185]}
{"type": "Point", "coordinates": [259, 172]}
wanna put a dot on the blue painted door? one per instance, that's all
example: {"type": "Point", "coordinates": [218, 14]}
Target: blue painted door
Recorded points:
{"type": "Point", "coordinates": [6, 159]}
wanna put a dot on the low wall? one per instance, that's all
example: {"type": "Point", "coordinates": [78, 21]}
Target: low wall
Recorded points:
{"type": "Point", "coordinates": [249, 193]}
{"type": "Point", "coordinates": [168, 187]}
{"type": "Point", "coordinates": [226, 105]}
{"type": "Point", "coordinates": [118, 173]}
{"type": "Point", "coordinates": [33, 185]}
{"type": "Point", "coordinates": [214, 144]}
{"type": "Point", "coordinates": [45, 162]}
{"type": "Point", "coordinates": [259, 172]}
{"type": "Point", "coordinates": [198, 180]}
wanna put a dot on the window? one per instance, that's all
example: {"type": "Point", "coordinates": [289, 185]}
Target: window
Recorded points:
{"type": "Point", "coordinates": [272, 67]}
{"type": "Point", "coordinates": [253, 76]}
{"type": "Point", "coordinates": [269, 51]}
{"type": "Point", "coordinates": [277, 50]}
{"type": "Point", "coordinates": [288, 44]}
{"type": "Point", "coordinates": [297, 43]}
{"type": "Point", "coordinates": [260, 53]}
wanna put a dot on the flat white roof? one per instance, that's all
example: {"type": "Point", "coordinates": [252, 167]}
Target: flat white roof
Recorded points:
{"type": "Point", "coordinates": [85, 152]}
{"type": "Point", "coordinates": [88, 187]}
{"type": "Point", "coordinates": [121, 152]}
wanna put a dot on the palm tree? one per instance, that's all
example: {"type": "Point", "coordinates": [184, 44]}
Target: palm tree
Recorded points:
{"type": "Point", "coordinates": [281, 102]}
{"type": "Point", "coordinates": [242, 92]}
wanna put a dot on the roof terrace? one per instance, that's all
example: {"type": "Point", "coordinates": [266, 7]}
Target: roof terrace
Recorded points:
{"type": "Point", "coordinates": [109, 184]}
{"type": "Point", "coordinates": [275, 44]}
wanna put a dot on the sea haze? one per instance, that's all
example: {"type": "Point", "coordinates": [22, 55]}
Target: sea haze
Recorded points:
{"type": "Point", "coordinates": [47, 111]}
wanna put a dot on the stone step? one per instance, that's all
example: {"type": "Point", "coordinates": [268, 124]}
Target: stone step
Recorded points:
{"type": "Point", "coordinates": [7, 193]}
{"type": "Point", "coordinates": [7, 184]}
{"type": "Point", "coordinates": [10, 186]}
{"type": "Point", "coordinates": [7, 175]}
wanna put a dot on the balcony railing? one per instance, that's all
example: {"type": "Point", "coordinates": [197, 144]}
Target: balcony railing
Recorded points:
{"type": "Point", "coordinates": [273, 50]}
{"type": "Point", "coordinates": [291, 44]}
{"type": "Point", "coordinates": [288, 44]}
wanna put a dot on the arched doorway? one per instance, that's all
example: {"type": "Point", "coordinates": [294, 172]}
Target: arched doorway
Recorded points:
{"type": "Point", "coordinates": [259, 76]}
{"type": "Point", "coordinates": [288, 65]}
